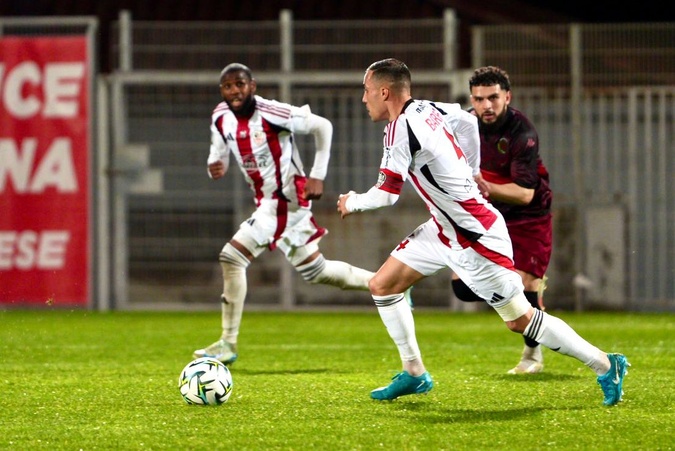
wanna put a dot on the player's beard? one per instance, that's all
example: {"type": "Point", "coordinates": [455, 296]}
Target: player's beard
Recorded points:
{"type": "Point", "coordinates": [493, 126]}
{"type": "Point", "coordinates": [247, 107]}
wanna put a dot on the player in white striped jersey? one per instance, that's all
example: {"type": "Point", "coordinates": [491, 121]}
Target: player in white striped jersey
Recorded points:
{"type": "Point", "coordinates": [259, 134]}
{"type": "Point", "coordinates": [465, 233]}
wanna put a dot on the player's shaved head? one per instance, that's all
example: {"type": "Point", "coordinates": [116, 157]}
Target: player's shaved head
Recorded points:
{"type": "Point", "coordinates": [393, 72]}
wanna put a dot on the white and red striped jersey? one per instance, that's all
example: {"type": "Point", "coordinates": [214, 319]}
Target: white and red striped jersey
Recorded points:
{"type": "Point", "coordinates": [265, 150]}
{"type": "Point", "coordinates": [464, 126]}
{"type": "Point", "coordinates": [419, 145]}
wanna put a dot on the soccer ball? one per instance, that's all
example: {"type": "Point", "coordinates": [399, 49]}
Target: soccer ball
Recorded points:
{"type": "Point", "coordinates": [205, 381]}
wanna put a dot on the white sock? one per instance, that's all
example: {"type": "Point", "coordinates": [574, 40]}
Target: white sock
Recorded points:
{"type": "Point", "coordinates": [234, 294]}
{"type": "Point", "coordinates": [557, 335]}
{"type": "Point", "coordinates": [336, 273]}
{"type": "Point", "coordinates": [398, 319]}
{"type": "Point", "coordinates": [346, 276]}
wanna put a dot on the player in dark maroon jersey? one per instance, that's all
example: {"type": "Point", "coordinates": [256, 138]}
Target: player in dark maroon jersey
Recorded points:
{"type": "Point", "coordinates": [516, 182]}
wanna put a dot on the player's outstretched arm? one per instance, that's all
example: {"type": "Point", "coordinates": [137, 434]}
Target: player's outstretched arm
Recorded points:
{"type": "Point", "coordinates": [373, 199]}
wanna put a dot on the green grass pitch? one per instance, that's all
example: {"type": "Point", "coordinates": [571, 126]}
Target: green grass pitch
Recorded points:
{"type": "Point", "coordinates": [81, 380]}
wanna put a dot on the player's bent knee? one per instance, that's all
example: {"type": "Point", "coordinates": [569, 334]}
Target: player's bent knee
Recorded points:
{"type": "Point", "coordinates": [463, 292]}
{"type": "Point", "coordinates": [517, 326]}
{"type": "Point", "coordinates": [232, 257]}
{"type": "Point", "coordinates": [512, 310]}
{"type": "Point", "coordinates": [311, 272]}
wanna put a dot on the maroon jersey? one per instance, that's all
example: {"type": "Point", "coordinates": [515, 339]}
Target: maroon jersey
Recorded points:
{"type": "Point", "coordinates": [509, 152]}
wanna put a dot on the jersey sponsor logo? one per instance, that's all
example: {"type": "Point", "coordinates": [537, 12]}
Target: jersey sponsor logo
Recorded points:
{"type": "Point", "coordinates": [251, 164]}
{"type": "Point", "coordinates": [243, 134]}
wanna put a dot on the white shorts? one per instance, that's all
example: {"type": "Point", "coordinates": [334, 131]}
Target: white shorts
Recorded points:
{"type": "Point", "coordinates": [488, 271]}
{"type": "Point", "coordinates": [280, 224]}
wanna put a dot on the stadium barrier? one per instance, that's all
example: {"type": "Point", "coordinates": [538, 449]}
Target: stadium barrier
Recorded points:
{"type": "Point", "coordinates": [601, 96]}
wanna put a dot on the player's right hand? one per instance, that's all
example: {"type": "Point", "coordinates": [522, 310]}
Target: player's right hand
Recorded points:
{"type": "Point", "coordinates": [217, 170]}
{"type": "Point", "coordinates": [342, 204]}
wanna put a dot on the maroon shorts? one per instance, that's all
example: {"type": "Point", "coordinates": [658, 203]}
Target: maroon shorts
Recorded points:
{"type": "Point", "coordinates": [532, 240]}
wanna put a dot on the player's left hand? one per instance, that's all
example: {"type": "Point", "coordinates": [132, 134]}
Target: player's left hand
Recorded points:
{"type": "Point", "coordinates": [483, 186]}
{"type": "Point", "coordinates": [313, 189]}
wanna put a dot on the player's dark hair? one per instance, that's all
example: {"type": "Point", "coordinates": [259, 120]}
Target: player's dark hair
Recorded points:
{"type": "Point", "coordinates": [490, 76]}
{"type": "Point", "coordinates": [393, 71]}
{"type": "Point", "coordinates": [236, 67]}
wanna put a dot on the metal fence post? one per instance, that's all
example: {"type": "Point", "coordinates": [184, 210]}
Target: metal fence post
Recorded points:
{"type": "Point", "coordinates": [287, 294]}
{"type": "Point", "coordinates": [449, 40]}
{"type": "Point", "coordinates": [579, 188]}
{"type": "Point", "coordinates": [126, 52]}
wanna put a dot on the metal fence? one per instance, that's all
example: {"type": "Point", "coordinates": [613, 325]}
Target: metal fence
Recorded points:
{"type": "Point", "coordinates": [603, 138]}
{"type": "Point", "coordinates": [171, 220]}
{"type": "Point", "coordinates": [175, 220]}
{"type": "Point", "coordinates": [587, 56]}
{"type": "Point", "coordinates": [604, 96]}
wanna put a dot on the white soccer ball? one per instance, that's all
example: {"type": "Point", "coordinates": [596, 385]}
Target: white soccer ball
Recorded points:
{"type": "Point", "coordinates": [205, 381]}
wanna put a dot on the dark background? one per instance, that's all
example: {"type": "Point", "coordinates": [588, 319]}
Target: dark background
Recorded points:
{"type": "Point", "coordinates": [469, 12]}
{"type": "Point", "coordinates": [476, 12]}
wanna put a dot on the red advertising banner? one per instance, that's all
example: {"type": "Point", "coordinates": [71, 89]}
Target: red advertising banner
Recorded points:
{"type": "Point", "coordinates": [44, 171]}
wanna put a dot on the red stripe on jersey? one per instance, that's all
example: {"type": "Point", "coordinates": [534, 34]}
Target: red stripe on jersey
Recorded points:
{"type": "Point", "coordinates": [463, 240]}
{"type": "Point", "coordinates": [413, 178]}
{"type": "Point", "coordinates": [274, 110]}
{"type": "Point", "coordinates": [320, 231]}
{"type": "Point", "coordinates": [458, 151]}
{"type": "Point", "coordinates": [247, 157]}
{"type": "Point", "coordinates": [493, 177]}
{"type": "Point", "coordinates": [496, 257]}
{"type": "Point", "coordinates": [444, 239]}
{"type": "Point", "coordinates": [299, 181]}
{"type": "Point", "coordinates": [275, 151]}
{"type": "Point", "coordinates": [282, 220]}
{"type": "Point", "coordinates": [222, 106]}
{"type": "Point", "coordinates": [392, 183]}
{"type": "Point", "coordinates": [389, 134]}
{"type": "Point", "coordinates": [479, 211]}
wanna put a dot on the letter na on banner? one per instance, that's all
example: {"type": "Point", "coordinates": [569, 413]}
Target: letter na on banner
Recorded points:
{"type": "Point", "coordinates": [45, 167]}
{"type": "Point", "coordinates": [55, 170]}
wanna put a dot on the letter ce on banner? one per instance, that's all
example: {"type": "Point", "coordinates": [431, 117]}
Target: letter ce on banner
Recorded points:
{"type": "Point", "coordinates": [44, 171]}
